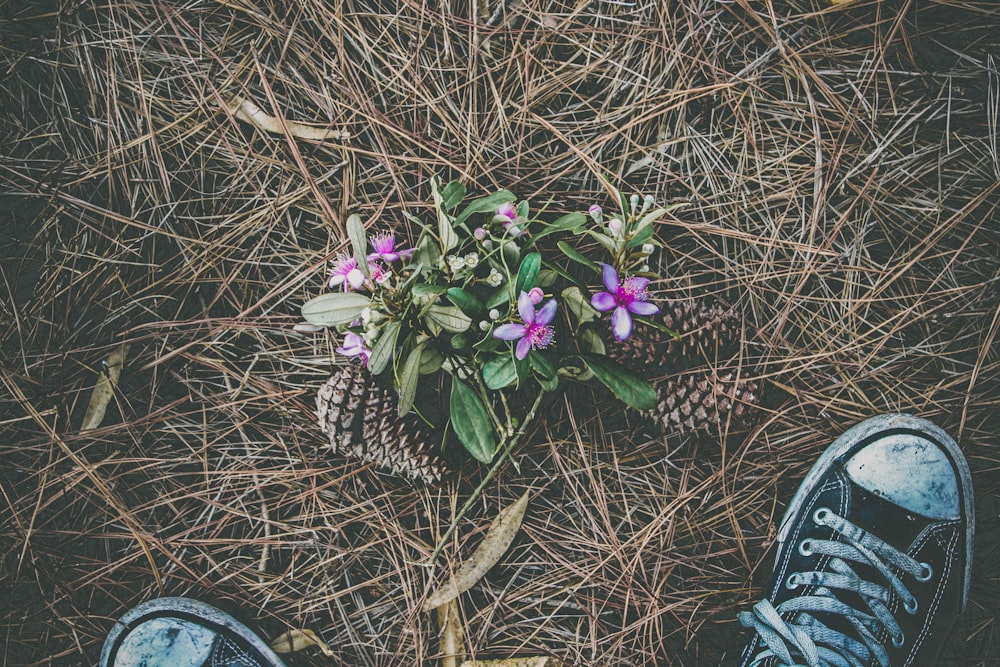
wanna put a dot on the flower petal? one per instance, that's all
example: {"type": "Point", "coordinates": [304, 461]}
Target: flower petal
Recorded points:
{"type": "Point", "coordinates": [546, 312]}
{"type": "Point", "coordinates": [603, 302]}
{"type": "Point", "coordinates": [356, 278]}
{"type": "Point", "coordinates": [621, 323]}
{"type": "Point", "coordinates": [637, 284]}
{"type": "Point", "coordinates": [525, 308]}
{"type": "Point", "coordinates": [523, 347]}
{"type": "Point", "coordinates": [510, 331]}
{"type": "Point", "coordinates": [643, 308]}
{"type": "Point", "coordinates": [610, 277]}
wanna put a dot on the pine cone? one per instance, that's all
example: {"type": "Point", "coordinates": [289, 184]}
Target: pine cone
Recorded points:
{"type": "Point", "coordinates": [702, 401]}
{"type": "Point", "coordinates": [360, 419]}
{"type": "Point", "coordinates": [704, 329]}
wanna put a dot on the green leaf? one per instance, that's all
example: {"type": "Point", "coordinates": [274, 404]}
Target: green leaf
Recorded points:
{"type": "Point", "coordinates": [578, 305]}
{"type": "Point", "coordinates": [511, 253]}
{"type": "Point", "coordinates": [446, 233]}
{"type": "Point", "coordinates": [549, 384]}
{"type": "Point", "coordinates": [471, 422]}
{"type": "Point", "coordinates": [487, 204]}
{"type": "Point", "coordinates": [523, 209]}
{"type": "Point", "coordinates": [591, 341]}
{"type": "Point", "coordinates": [576, 256]}
{"type": "Point", "coordinates": [527, 272]}
{"type": "Point", "coordinates": [359, 241]}
{"type": "Point", "coordinates": [571, 222]}
{"type": "Point", "coordinates": [448, 318]}
{"type": "Point", "coordinates": [335, 308]}
{"type": "Point", "coordinates": [452, 195]}
{"type": "Point", "coordinates": [468, 302]}
{"type": "Point", "coordinates": [430, 361]}
{"type": "Point", "coordinates": [542, 365]}
{"type": "Point", "coordinates": [643, 235]}
{"type": "Point", "coordinates": [499, 372]}
{"type": "Point", "coordinates": [628, 387]}
{"type": "Point", "coordinates": [384, 347]}
{"type": "Point", "coordinates": [501, 297]}
{"type": "Point", "coordinates": [408, 379]}
{"type": "Point", "coordinates": [422, 289]}
{"type": "Point", "coordinates": [606, 241]}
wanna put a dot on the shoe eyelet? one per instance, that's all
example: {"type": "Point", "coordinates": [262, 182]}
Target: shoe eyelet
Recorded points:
{"type": "Point", "coordinates": [792, 582]}
{"type": "Point", "coordinates": [926, 572]}
{"type": "Point", "coordinates": [805, 548]}
{"type": "Point", "coordinates": [821, 515]}
{"type": "Point", "coordinates": [910, 606]}
{"type": "Point", "coordinates": [899, 640]}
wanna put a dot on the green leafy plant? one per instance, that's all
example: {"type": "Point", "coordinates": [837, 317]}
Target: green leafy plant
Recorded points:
{"type": "Point", "coordinates": [484, 297]}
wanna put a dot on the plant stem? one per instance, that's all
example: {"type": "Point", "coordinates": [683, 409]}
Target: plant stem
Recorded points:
{"type": "Point", "coordinates": [494, 469]}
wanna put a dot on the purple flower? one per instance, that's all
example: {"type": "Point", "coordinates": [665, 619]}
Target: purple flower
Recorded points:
{"type": "Point", "coordinates": [354, 346]}
{"type": "Point", "coordinates": [385, 248]}
{"type": "Point", "coordinates": [535, 332]}
{"type": "Point", "coordinates": [346, 272]}
{"type": "Point", "coordinates": [536, 294]}
{"type": "Point", "coordinates": [627, 298]}
{"type": "Point", "coordinates": [508, 211]}
{"type": "Point", "coordinates": [508, 215]}
{"type": "Point", "coordinates": [378, 272]}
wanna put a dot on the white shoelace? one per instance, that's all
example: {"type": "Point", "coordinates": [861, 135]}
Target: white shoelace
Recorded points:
{"type": "Point", "coordinates": [819, 645]}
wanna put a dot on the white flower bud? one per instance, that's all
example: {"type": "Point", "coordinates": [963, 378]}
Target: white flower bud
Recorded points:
{"type": "Point", "coordinates": [647, 248]}
{"type": "Point", "coordinates": [633, 203]}
{"type": "Point", "coordinates": [494, 314]}
{"type": "Point", "coordinates": [484, 326]}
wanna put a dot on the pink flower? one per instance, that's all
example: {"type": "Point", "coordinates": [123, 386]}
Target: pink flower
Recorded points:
{"type": "Point", "coordinates": [346, 272]}
{"type": "Point", "coordinates": [378, 272]}
{"type": "Point", "coordinates": [508, 215]}
{"type": "Point", "coordinates": [626, 298]}
{"type": "Point", "coordinates": [536, 295]}
{"type": "Point", "coordinates": [535, 332]}
{"type": "Point", "coordinates": [508, 211]}
{"type": "Point", "coordinates": [385, 248]}
{"type": "Point", "coordinates": [354, 346]}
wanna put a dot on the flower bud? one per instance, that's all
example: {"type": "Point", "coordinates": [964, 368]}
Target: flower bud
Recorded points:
{"type": "Point", "coordinates": [536, 295]}
{"type": "Point", "coordinates": [494, 314]}
{"type": "Point", "coordinates": [615, 227]}
{"type": "Point", "coordinates": [633, 203]}
{"type": "Point", "coordinates": [647, 203]}
{"type": "Point", "coordinates": [479, 233]}
{"type": "Point", "coordinates": [596, 213]}
{"type": "Point", "coordinates": [647, 248]}
{"type": "Point", "coordinates": [484, 326]}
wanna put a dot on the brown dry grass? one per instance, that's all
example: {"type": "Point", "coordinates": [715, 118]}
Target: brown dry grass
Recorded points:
{"type": "Point", "coordinates": [841, 167]}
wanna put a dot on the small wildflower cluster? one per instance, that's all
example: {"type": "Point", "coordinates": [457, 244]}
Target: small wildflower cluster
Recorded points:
{"type": "Point", "coordinates": [474, 299]}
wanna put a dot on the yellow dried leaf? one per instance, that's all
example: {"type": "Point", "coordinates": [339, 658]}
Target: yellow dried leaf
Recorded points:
{"type": "Point", "coordinates": [107, 381]}
{"type": "Point", "coordinates": [515, 662]}
{"type": "Point", "coordinates": [247, 111]}
{"type": "Point", "coordinates": [452, 644]}
{"type": "Point", "coordinates": [498, 538]}
{"type": "Point", "coordinates": [296, 640]}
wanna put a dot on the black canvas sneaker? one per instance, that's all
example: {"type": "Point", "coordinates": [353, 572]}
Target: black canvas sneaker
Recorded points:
{"type": "Point", "coordinates": [179, 632]}
{"type": "Point", "coordinates": [874, 553]}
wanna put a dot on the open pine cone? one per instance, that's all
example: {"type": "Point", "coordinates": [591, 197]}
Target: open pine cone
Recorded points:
{"type": "Point", "coordinates": [359, 417]}
{"type": "Point", "coordinates": [702, 401]}
{"type": "Point", "coordinates": [705, 330]}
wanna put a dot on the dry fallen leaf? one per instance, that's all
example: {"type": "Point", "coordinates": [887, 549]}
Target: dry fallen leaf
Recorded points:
{"type": "Point", "coordinates": [498, 538]}
{"type": "Point", "coordinates": [515, 662]}
{"type": "Point", "coordinates": [296, 640]}
{"type": "Point", "coordinates": [452, 644]}
{"type": "Point", "coordinates": [107, 381]}
{"type": "Point", "coordinates": [249, 112]}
